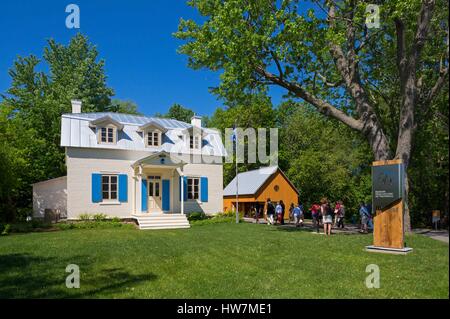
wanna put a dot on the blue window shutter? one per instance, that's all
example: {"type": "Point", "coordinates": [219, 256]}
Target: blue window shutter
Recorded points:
{"type": "Point", "coordinates": [204, 189]}
{"type": "Point", "coordinates": [183, 181]}
{"type": "Point", "coordinates": [166, 194]}
{"type": "Point", "coordinates": [123, 188]}
{"type": "Point", "coordinates": [144, 195]}
{"type": "Point", "coordinates": [185, 188]}
{"type": "Point", "coordinates": [96, 187]}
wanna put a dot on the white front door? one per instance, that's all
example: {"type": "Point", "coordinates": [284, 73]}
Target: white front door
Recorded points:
{"type": "Point", "coordinates": [154, 194]}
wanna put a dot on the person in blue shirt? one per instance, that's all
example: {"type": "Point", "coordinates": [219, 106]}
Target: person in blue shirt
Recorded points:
{"type": "Point", "coordinates": [370, 221]}
{"type": "Point", "coordinates": [297, 215]}
{"type": "Point", "coordinates": [364, 214]}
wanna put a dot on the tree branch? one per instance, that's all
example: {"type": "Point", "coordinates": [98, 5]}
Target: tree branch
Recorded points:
{"type": "Point", "coordinates": [330, 84]}
{"type": "Point", "coordinates": [425, 14]}
{"type": "Point", "coordinates": [401, 48]}
{"type": "Point", "coordinates": [274, 57]}
{"type": "Point", "coordinates": [321, 105]}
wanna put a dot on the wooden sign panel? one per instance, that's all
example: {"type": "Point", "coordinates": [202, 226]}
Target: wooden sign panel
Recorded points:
{"type": "Point", "coordinates": [388, 203]}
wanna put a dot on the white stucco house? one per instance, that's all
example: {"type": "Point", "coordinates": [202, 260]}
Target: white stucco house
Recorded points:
{"type": "Point", "coordinates": [151, 169]}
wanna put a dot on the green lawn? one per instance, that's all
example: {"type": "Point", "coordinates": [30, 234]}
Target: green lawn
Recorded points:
{"type": "Point", "coordinates": [216, 261]}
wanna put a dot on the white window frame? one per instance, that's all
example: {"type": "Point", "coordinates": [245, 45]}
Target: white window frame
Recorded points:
{"type": "Point", "coordinates": [152, 134]}
{"type": "Point", "coordinates": [108, 129]}
{"type": "Point", "coordinates": [110, 191]}
{"type": "Point", "coordinates": [192, 192]}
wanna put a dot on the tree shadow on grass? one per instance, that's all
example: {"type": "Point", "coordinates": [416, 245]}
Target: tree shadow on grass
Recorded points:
{"type": "Point", "coordinates": [288, 228]}
{"type": "Point", "coordinates": [28, 276]}
{"type": "Point", "coordinates": [311, 229]}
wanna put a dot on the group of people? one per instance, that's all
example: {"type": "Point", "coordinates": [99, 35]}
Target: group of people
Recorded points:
{"type": "Point", "coordinates": [323, 214]}
{"type": "Point", "coordinates": [327, 215]}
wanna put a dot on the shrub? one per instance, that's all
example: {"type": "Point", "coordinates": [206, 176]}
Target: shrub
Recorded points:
{"type": "Point", "coordinates": [39, 223]}
{"type": "Point", "coordinates": [91, 225]}
{"type": "Point", "coordinates": [100, 217]}
{"type": "Point", "coordinates": [21, 227]}
{"type": "Point", "coordinates": [197, 216]}
{"type": "Point", "coordinates": [229, 214]}
{"type": "Point", "coordinates": [4, 229]}
{"type": "Point", "coordinates": [84, 217]}
{"type": "Point", "coordinates": [214, 220]}
{"type": "Point", "coordinates": [116, 220]}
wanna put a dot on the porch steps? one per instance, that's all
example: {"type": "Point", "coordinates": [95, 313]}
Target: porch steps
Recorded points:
{"type": "Point", "coordinates": [162, 221]}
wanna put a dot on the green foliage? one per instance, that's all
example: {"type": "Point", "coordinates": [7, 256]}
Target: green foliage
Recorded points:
{"type": "Point", "coordinates": [216, 219]}
{"type": "Point", "coordinates": [196, 216]}
{"type": "Point", "coordinates": [4, 229]}
{"type": "Point", "coordinates": [30, 115]}
{"type": "Point", "coordinates": [125, 107]}
{"type": "Point", "coordinates": [85, 217]}
{"type": "Point", "coordinates": [256, 112]}
{"type": "Point", "coordinates": [246, 39]}
{"type": "Point", "coordinates": [116, 220]}
{"type": "Point", "coordinates": [324, 158]}
{"type": "Point", "coordinates": [99, 217]}
{"type": "Point", "coordinates": [92, 225]}
{"type": "Point", "coordinates": [178, 112]}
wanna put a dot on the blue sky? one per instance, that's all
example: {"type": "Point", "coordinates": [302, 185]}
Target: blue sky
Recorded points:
{"type": "Point", "coordinates": [135, 39]}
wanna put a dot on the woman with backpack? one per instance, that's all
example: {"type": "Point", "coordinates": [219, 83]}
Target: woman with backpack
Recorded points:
{"type": "Point", "coordinates": [327, 218]}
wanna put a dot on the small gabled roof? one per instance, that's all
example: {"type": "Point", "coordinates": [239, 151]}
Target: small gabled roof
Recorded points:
{"type": "Point", "coordinates": [106, 120]}
{"type": "Point", "coordinates": [155, 159]}
{"type": "Point", "coordinates": [191, 129]}
{"type": "Point", "coordinates": [251, 181]}
{"type": "Point", "coordinates": [152, 124]}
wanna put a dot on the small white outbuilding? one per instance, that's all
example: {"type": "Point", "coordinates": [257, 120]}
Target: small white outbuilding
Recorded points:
{"type": "Point", "coordinates": [50, 194]}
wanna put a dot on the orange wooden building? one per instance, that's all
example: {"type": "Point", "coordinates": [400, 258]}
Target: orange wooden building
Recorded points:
{"type": "Point", "coordinates": [256, 187]}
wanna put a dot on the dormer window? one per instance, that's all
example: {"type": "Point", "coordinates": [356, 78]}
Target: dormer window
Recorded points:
{"type": "Point", "coordinates": [107, 135]}
{"type": "Point", "coordinates": [106, 129]}
{"type": "Point", "coordinates": [154, 138]}
{"type": "Point", "coordinates": [152, 133]}
{"type": "Point", "coordinates": [194, 142]}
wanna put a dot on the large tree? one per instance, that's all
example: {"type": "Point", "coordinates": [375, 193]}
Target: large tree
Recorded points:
{"type": "Point", "coordinates": [30, 113]}
{"type": "Point", "coordinates": [322, 52]}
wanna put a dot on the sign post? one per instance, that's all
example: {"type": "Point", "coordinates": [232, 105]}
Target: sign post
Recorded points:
{"type": "Point", "coordinates": [388, 204]}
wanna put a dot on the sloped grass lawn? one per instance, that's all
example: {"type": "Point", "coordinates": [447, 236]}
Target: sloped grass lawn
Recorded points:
{"type": "Point", "coordinates": [216, 261]}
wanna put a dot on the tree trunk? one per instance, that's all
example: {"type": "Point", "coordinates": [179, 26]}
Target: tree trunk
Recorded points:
{"type": "Point", "coordinates": [406, 214]}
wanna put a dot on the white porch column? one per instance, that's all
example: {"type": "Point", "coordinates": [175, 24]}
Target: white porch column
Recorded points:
{"type": "Point", "coordinates": [139, 193]}
{"type": "Point", "coordinates": [182, 193]}
{"type": "Point", "coordinates": [133, 206]}
{"type": "Point", "coordinates": [172, 191]}
{"type": "Point", "coordinates": [180, 172]}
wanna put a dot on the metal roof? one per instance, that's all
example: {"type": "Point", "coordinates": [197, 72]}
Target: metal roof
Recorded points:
{"type": "Point", "coordinates": [130, 119]}
{"type": "Point", "coordinates": [249, 182]}
{"type": "Point", "coordinates": [76, 132]}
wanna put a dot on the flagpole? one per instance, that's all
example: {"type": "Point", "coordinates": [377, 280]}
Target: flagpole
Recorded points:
{"type": "Point", "coordinates": [237, 181]}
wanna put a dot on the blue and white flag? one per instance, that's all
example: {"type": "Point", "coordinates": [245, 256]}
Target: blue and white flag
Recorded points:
{"type": "Point", "coordinates": [234, 135]}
